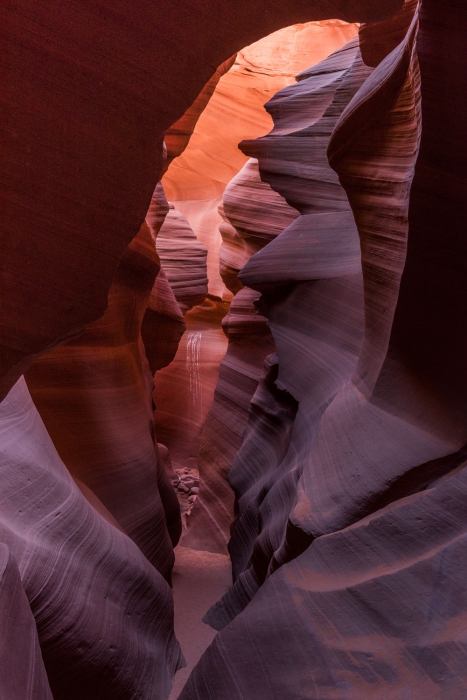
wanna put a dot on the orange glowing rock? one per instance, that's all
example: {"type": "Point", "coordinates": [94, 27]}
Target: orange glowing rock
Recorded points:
{"type": "Point", "coordinates": [197, 179]}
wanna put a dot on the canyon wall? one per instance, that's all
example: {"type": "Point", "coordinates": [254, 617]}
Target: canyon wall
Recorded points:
{"type": "Point", "coordinates": [349, 538]}
{"type": "Point", "coordinates": [338, 424]}
{"type": "Point", "coordinates": [253, 214]}
{"type": "Point", "coordinates": [196, 180]}
{"type": "Point", "coordinates": [88, 95]}
{"type": "Point", "coordinates": [93, 397]}
{"type": "Point", "coordinates": [315, 313]}
{"type": "Point", "coordinates": [103, 614]}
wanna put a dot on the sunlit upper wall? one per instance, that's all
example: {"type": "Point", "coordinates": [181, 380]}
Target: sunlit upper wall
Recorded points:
{"type": "Point", "coordinates": [235, 111]}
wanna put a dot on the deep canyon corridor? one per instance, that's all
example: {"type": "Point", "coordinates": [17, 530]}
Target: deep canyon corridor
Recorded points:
{"type": "Point", "coordinates": [233, 411]}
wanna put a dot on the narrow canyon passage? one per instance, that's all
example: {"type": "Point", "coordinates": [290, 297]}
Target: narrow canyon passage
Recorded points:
{"type": "Point", "coordinates": [199, 579]}
{"type": "Point", "coordinates": [184, 390]}
{"type": "Point", "coordinates": [196, 184]}
{"type": "Point", "coordinates": [233, 387]}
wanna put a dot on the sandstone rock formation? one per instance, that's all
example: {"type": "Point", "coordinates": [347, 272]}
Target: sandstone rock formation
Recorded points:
{"type": "Point", "coordinates": [163, 324]}
{"type": "Point", "coordinates": [184, 390]}
{"type": "Point", "coordinates": [310, 276]}
{"type": "Point", "coordinates": [184, 260]}
{"type": "Point", "coordinates": [350, 541]}
{"type": "Point", "coordinates": [23, 674]}
{"type": "Point", "coordinates": [177, 137]}
{"type": "Point", "coordinates": [196, 181]}
{"type": "Point", "coordinates": [240, 369]}
{"type": "Point", "coordinates": [96, 405]}
{"type": "Point", "coordinates": [253, 215]}
{"type": "Point", "coordinates": [85, 120]}
{"type": "Point", "coordinates": [339, 415]}
{"type": "Point", "coordinates": [376, 610]}
{"type": "Point", "coordinates": [104, 615]}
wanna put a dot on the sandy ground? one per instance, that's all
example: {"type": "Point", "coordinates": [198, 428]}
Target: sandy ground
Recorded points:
{"type": "Point", "coordinates": [199, 580]}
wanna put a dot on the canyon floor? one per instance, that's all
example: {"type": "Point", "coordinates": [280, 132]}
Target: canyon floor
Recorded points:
{"type": "Point", "coordinates": [199, 580]}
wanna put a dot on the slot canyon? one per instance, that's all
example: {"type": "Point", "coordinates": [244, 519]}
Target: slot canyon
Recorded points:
{"type": "Point", "coordinates": [233, 374]}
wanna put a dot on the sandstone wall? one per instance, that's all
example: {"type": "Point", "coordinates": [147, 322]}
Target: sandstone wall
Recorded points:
{"type": "Point", "coordinates": [349, 542]}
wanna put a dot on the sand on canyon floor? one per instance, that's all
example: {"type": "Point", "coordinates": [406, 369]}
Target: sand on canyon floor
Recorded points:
{"type": "Point", "coordinates": [199, 580]}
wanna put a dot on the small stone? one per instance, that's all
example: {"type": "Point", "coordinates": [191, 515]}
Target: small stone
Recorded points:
{"type": "Point", "coordinates": [189, 483]}
{"type": "Point", "coordinates": [195, 490]}
{"type": "Point", "coordinates": [191, 499]}
{"type": "Point", "coordinates": [183, 487]}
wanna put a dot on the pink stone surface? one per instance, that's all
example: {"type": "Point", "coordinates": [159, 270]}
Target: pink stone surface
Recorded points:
{"type": "Point", "coordinates": [326, 415]}
{"type": "Point", "coordinates": [93, 397]}
{"type": "Point", "coordinates": [23, 674]}
{"type": "Point", "coordinates": [349, 540]}
{"type": "Point", "coordinates": [184, 259]}
{"type": "Point", "coordinates": [88, 95]}
{"type": "Point", "coordinates": [104, 615]}
{"type": "Point", "coordinates": [184, 390]}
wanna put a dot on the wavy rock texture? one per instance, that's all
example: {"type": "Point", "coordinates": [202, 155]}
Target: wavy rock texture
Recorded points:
{"type": "Point", "coordinates": [196, 181]}
{"type": "Point", "coordinates": [184, 260]}
{"type": "Point", "coordinates": [349, 541]}
{"type": "Point", "coordinates": [378, 596]}
{"type": "Point", "coordinates": [312, 294]}
{"type": "Point", "coordinates": [176, 138]}
{"type": "Point", "coordinates": [163, 324]}
{"type": "Point", "coordinates": [104, 615]}
{"type": "Point", "coordinates": [23, 674]}
{"type": "Point", "coordinates": [88, 94]}
{"type": "Point", "coordinates": [253, 215]}
{"type": "Point", "coordinates": [93, 397]}
{"type": "Point", "coordinates": [184, 390]}
{"type": "Point", "coordinates": [397, 425]}
{"type": "Point", "coordinates": [211, 159]}
{"type": "Point", "coordinates": [374, 611]}
{"type": "Point", "coordinates": [202, 172]}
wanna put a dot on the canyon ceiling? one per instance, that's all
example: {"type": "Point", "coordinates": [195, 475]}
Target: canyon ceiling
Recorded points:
{"type": "Point", "coordinates": [277, 330]}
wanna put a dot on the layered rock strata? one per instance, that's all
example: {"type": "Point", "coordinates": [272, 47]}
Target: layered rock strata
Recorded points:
{"type": "Point", "coordinates": [253, 215]}
{"type": "Point", "coordinates": [104, 615]}
{"type": "Point", "coordinates": [23, 674]}
{"type": "Point", "coordinates": [88, 96]}
{"type": "Point", "coordinates": [195, 182]}
{"type": "Point", "coordinates": [376, 610]}
{"type": "Point", "coordinates": [184, 260]}
{"type": "Point", "coordinates": [377, 597]}
{"type": "Point", "coordinates": [311, 280]}
{"type": "Point", "coordinates": [95, 399]}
